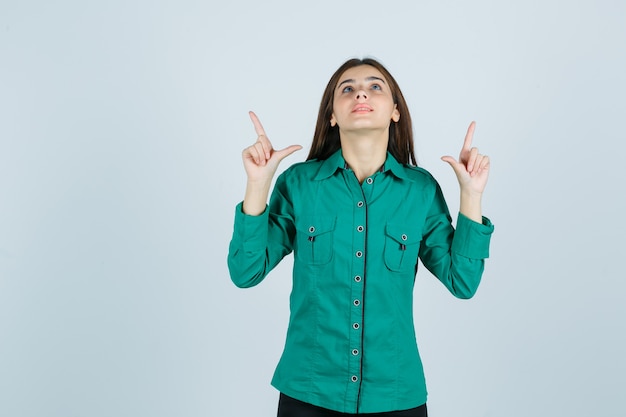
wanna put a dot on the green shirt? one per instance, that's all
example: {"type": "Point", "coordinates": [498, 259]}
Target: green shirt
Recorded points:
{"type": "Point", "coordinates": [351, 340]}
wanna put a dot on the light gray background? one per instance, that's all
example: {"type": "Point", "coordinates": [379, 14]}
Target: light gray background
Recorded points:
{"type": "Point", "coordinates": [121, 128]}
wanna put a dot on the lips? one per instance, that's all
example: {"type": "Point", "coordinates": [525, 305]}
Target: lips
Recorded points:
{"type": "Point", "coordinates": [362, 108]}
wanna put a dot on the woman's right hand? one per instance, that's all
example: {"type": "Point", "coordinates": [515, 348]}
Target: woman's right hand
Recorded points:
{"type": "Point", "coordinates": [261, 160]}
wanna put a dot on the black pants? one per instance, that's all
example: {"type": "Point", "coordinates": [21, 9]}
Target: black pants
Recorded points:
{"type": "Point", "coordinates": [290, 407]}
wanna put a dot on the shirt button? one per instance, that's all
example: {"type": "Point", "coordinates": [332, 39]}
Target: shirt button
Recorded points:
{"type": "Point", "coordinates": [359, 204]}
{"type": "Point", "coordinates": [359, 254]}
{"type": "Point", "coordinates": [360, 228]}
{"type": "Point", "coordinates": [311, 229]}
{"type": "Point", "coordinates": [404, 237]}
{"type": "Point", "coordinates": [356, 326]}
{"type": "Point", "coordinates": [369, 180]}
{"type": "Point", "coordinates": [357, 278]}
{"type": "Point", "coordinates": [357, 302]}
{"type": "Point", "coordinates": [355, 352]}
{"type": "Point", "coordinates": [354, 378]}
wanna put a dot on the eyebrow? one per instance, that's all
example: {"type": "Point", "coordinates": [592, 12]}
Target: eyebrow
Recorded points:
{"type": "Point", "coordinates": [351, 80]}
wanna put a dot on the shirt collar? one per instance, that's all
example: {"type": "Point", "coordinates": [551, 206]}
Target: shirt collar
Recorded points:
{"type": "Point", "coordinates": [336, 162]}
{"type": "Point", "coordinates": [330, 165]}
{"type": "Point", "coordinates": [396, 168]}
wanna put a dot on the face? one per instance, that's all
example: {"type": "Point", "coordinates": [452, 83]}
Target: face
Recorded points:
{"type": "Point", "coordinates": [363, 100]}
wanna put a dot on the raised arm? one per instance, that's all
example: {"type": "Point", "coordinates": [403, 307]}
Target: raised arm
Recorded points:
{"type": "Point", "coordinates": [261, 161]}
{"type": "Point", "coordinates": [472, 172]}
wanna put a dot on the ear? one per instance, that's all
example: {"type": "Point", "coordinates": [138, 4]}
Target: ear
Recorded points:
{"type": "Point", "coordinates": [333, 121]}
{"type": "Point", "coordinates": [395, 116]}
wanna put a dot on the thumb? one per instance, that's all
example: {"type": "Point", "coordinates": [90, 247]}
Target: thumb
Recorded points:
{"type": "Point", "coordinates": [283, 153]}
{"type": "Point", "coordinates": [449, 159]}
{"type": "Point", "coordinates": [456, 166]}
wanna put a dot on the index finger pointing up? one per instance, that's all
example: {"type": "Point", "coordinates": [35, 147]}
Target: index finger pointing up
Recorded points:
{"type": "Point", "coordinates": [258, 127]}
{"type": "Point", "coordinates": [467, 145]}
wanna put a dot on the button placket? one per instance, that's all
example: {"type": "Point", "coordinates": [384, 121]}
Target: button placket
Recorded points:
{"type": "Point", "coordinates": [359, 235]}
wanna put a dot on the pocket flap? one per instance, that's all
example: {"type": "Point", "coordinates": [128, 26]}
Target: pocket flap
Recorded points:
{"type": "Point", "coordinates": [401, 234]}
{"type": "Point", "coordinates": [315, 225]}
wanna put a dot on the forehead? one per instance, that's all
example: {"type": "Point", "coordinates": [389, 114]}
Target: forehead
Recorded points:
{"type": "Point", "coordinates": [360, 73]}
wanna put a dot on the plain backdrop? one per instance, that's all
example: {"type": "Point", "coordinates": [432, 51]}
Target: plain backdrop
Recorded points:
{"type": "Point", "coordinates": [121, 130]}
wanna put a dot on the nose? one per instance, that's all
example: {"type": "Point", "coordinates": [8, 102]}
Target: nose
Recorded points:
{"type": "Point", "coordinates": [360, 94]}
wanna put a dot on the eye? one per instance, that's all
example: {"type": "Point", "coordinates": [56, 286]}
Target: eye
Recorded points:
{"type": "Point", "coordinates": [347, 89]}
{"type": "Point", "coordinates": [376, 87]}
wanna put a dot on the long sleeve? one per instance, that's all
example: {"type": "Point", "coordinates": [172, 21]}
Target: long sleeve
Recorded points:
{"type": "Point", "coordinates": [455, 257]}
{"type": "Point", "coordinates": [260, 242]}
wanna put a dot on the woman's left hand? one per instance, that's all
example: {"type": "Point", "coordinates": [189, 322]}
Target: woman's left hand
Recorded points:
{"type": "Point", "coordinates": [472, 168]}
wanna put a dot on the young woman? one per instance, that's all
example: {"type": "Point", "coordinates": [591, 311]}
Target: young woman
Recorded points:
{"type": "Point", "coordinates": [357, 215]}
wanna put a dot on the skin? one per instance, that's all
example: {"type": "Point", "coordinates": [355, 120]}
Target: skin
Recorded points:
{"type": "Point", "coordinates": [260, 162]}
{"type": "Point", "coordinates": [363, 109]}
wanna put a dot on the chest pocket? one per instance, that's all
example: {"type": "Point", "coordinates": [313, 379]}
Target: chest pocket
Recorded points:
{"type": "Point", "coordinates": [401, 247]}
{"type": "Point", "coordinates": [314, 239]}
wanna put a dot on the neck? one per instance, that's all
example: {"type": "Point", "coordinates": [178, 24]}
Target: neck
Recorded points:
{"type": "Point", "coordinates": [365, 154]}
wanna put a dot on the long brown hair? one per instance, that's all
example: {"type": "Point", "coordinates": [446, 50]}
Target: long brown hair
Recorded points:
{"type": "Point", "coordinates": [326, 137]}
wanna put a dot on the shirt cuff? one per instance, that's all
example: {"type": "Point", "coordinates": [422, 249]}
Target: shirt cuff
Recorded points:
{"type": "Point", "coordinates": [251, 231]}
{"type": "Point", "coordinates": [471, 239]}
